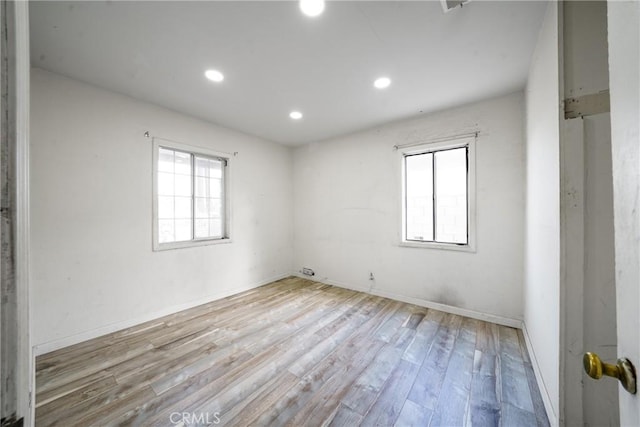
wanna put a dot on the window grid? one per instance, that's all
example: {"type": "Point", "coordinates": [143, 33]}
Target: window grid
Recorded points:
{"type": "Point", "coordinates": [211, 187]}
{"type": "Point", "coordinates": [176, 227]}
{"type": "Point", "coordinates": [192, 183]}
{"type": "Point", "coordinates": [434, 195]}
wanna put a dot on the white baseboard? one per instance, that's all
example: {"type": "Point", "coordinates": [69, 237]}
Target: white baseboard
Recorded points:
{"type": "Point", "coordinates": [553, 418]}
{"type": "Point", "coordinates": [487, 317]}
{"type": "Point", "coordinates": [114, 327]}
{"type": "Point", "coordinates": [493, 318]}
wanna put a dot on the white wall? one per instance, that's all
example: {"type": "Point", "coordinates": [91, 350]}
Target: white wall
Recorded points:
{"type": "Point", "coordinates": [93, 266]}
{"type": "Point", "coordinates": [347, 212]}
{"type": "Point", "coordinates": [624, 69]}
{"type": "Point", "coordinates": [542, 241]}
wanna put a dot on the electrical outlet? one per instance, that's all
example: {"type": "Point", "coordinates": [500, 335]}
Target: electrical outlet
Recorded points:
{"type": "Point", "coordinates": [308, 272]}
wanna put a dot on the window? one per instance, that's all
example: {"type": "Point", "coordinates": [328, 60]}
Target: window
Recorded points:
{"type": "Point", "coordinates": [437, 195]}
{"type": "Point", "coordinates": [190, 196]}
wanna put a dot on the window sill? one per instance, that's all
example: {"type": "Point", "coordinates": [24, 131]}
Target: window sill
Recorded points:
{"type": "Point", "coordinates": [157, 247]}
{"type": "Point", "coordinates": [442, 246]}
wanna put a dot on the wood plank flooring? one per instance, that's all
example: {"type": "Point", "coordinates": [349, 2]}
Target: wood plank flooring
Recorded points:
{"type": "Point", "coordinates": [295, 353]}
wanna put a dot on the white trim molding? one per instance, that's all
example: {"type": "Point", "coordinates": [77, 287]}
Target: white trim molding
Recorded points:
{"type": "Point", "coordinates": [546, 398]}
{"type": "Point", "coordinates": [487, 317]}
{"type": "Point", "coordinates": [26, 366]}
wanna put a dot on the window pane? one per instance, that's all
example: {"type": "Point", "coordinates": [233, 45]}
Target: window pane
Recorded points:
{"type": "Point", "coordinates": [182, 163]}
{"type": "Point", "coordinates": [165, 231]}
{"type": "Point", "coordinates": [183, 229]}
{"type": "Point", "coordinates": [165, 160]}
{"type": "Point", "coordinates": [183, 207]}
{"type": "Point", "coordinates": [215, 169]}
{"type": "Point", "coordinates": [451, 195]}
{"type": "Point", "coordinates": [215, 208]}
{"type": "Point", "coordinates": [202, 166]}
{"type": "Point", "coordinates": [419, 193]}
{"type": "Point", "coordinates": [190, 190]}
{"type": "Point", "coordinates": [183, 185]}
{"type": "Point", "coordinates": [215, 228]}
{"type": "Point", "coordinates": [202, 228]}
{"type": "Point", "coordinates": [165, 184]}
{"type": "Point", "coordinates": [215, 187]}
{"type": "Point", "coordinates": [202, 186]}
{"type": "Point", "coordinates": [165, 207]}
{"type": "Point", "coordinates": [202, 207]}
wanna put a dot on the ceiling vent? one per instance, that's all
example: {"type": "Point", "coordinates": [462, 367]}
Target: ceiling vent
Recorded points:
{"type": "Point", "coordinates": [448, 5]}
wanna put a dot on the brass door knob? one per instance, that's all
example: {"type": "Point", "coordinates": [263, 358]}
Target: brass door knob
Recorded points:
{"type": "Point", "coordinates": [623, 370]}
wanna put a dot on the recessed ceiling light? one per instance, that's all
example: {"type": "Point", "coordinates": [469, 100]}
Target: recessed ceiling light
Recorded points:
{"type": "Point", "coordinates": [295, 115]}
{"type": "Point", "coordinates": [382, 82]}
{"type": "Point", "coordinates": [214, 75]}
{"type": "Point", "coordinates": [312, 7]}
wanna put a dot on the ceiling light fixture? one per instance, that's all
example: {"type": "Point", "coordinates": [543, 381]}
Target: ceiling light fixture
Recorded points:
{"type": "Point", "coordinates": [312, 8]}
{"type": "Point", "coordinates": [382, 82]}
{"type": "Point", "coordinates": [214, 75]}
{"type": "Point", "coordinates": [295, 115]}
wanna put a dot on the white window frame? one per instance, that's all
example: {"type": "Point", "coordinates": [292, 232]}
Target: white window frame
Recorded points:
{"type": "Point", "coordinates": [193, 150]}
{"type": "Point", "coordinates": [426, 147]}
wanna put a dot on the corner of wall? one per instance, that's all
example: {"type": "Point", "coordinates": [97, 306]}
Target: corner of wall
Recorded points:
{"type": "Point", "coordinates": [542, 212]}
{"type": "Point", "coordinates": [544, 391]}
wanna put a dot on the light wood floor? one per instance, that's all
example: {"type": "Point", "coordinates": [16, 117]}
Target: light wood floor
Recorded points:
{"type": "Point", "coordinates": [295, 353]}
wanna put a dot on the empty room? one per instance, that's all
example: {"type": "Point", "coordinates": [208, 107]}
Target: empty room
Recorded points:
{"type": "Point", "coordinates": [314, 213]}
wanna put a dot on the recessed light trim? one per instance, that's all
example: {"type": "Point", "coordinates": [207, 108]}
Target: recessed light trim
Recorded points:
{"type": "Point", "coordinates": [382, 82]}
{"type": "Point", "coordinates": [295, 115]}
{"type": "Point", "coordinates": [214, 75]}
{"type": "Point", "coordinates": [312, 8]}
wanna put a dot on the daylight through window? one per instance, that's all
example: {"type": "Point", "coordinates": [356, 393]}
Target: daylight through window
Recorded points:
{"type": "Point", "coordinates": [437, 196]}
{"type": "Point", "coordinates": [190, 196]}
